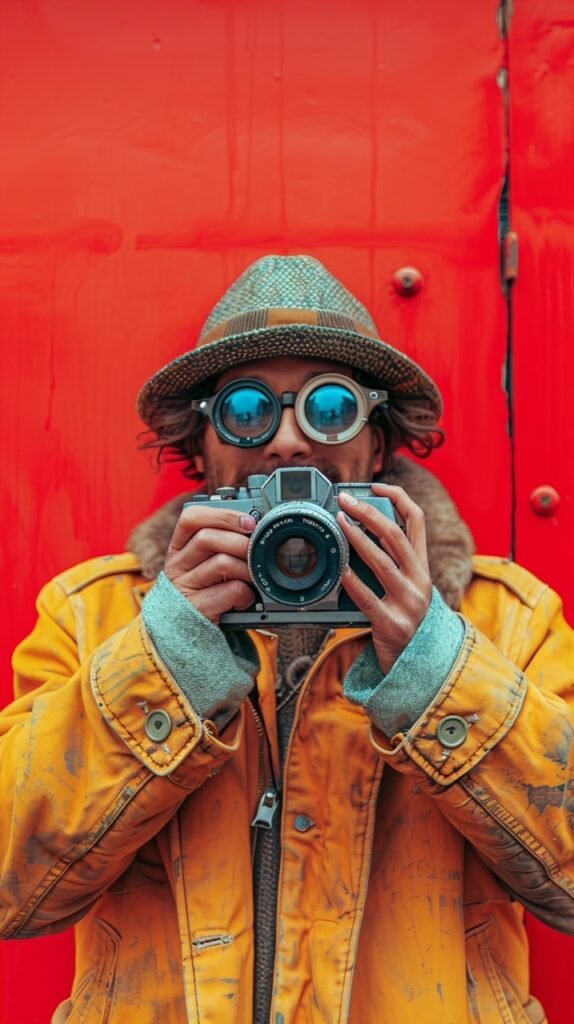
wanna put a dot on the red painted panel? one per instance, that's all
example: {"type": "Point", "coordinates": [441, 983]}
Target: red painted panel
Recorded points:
{"type": "Point", "coordinates": [150, 151]}
{"type": "Point", "coordinates": [541, 66]}
{"type": "Point", "coordinates": [542, 86]}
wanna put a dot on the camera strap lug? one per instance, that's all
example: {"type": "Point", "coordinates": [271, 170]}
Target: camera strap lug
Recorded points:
{"type": "Point", "coordinates": [266, 809]}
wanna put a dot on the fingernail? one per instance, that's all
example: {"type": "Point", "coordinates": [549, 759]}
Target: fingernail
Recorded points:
{"type": "Point", "coordinates": [342, 517]}
{"type": "Point", "coordinates": [349, 499]}
{"type": "Point", "coordinates": [247, 523]}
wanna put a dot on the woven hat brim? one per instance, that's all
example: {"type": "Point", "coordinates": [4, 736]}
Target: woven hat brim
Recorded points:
{"type": "Point", "coordinates": [397, 373]}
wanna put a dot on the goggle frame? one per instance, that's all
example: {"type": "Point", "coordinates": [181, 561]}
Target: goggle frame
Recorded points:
{"type": "Point", "coordinates": [367, 398]}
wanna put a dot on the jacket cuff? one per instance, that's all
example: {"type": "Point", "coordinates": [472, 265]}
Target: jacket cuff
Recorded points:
{"type": "Point", "coordinates": [396, 700]}
{"type": "Point", "coordinates": [141, 702]}
{"type": "Point", "coordinates": [476, 706]}
{"type": "Point", "coordinates": [214, 677]}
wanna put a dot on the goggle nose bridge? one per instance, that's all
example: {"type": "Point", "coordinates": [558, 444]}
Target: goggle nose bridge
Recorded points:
{"type": "Point", "coordinates": [287, 399]}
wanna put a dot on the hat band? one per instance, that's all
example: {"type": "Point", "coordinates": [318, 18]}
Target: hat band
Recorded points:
{"type": "Point", "coordinates": [256, 319]}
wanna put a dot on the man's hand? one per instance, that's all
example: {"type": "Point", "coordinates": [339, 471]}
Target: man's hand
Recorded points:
{"type": "Point", "coordinates": [400, 563]}
{"type": "Point", "coordinates": [206, 559]}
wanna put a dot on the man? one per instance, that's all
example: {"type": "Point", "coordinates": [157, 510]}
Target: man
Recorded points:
{"type": "Point", "coordinates": [309, 824]}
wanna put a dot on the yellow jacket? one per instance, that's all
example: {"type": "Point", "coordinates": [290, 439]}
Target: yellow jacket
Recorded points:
{"type": "Point", "coordinates": [396, 902]}
{"type": "Point", "coordinates": [388, 907]}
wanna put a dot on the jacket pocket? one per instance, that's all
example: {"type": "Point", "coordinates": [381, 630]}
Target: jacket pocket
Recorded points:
{"type": "Point", "coordinates": [491, 996]}
{"type": "Point", "coordinates": [92, 997]}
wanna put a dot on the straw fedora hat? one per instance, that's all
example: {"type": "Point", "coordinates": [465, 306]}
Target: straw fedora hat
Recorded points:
{"type": "Point", "coordinates": [289, 305]}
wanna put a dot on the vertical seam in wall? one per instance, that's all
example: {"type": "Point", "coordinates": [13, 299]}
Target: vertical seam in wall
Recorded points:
{"type": "Point", "coordinates": [504, 15]}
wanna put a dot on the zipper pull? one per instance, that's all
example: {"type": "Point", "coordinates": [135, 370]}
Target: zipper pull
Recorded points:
{"type": "Point", "coordinates": [266, 809]}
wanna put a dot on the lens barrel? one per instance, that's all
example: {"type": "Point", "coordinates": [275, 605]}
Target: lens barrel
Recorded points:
{"type": "Point", "coordinates": [297, 554]}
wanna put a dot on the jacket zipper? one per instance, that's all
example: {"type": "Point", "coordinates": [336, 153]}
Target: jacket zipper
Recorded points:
{"type": "Point", "coordinates": [268, 788]}
{"type": "Point", "coordinates": [266, 809]}
{"type": "Point", "coordinates": [262, 742]}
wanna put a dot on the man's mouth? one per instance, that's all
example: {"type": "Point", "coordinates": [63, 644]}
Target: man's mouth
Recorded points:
{"type": "Point", "coordinates": [323, 465]}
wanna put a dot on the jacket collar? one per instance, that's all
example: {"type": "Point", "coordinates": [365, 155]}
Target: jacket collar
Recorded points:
{"type": "Point", "coordinates": [449, 541]}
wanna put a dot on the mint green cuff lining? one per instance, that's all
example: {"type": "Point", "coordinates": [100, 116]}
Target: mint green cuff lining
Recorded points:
{"type": "Point", "coordinates": [214, 674]}
{"type": "Point", "coordinates": [394, 702]}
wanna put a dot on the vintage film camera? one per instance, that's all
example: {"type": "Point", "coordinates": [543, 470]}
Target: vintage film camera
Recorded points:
{"type": "Point", "coordinates": [297, 552]}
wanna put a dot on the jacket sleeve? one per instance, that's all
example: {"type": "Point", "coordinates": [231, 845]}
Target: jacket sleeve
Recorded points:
{"type": "Point", "coordinates": [84, 785]}
{"type": "Point", "coordinates": [495, 747]}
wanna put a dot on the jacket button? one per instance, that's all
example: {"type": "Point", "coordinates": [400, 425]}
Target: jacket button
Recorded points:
{"type": "Point", "coordinates": [303, 823]}
{"type": "Point", "coordinates": [157, 725]}
{"type": "Point", "coordinates": [452, 731]}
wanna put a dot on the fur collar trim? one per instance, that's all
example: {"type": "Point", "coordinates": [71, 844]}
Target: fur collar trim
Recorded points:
{"type": "Point", "coordinates": [450, 543]}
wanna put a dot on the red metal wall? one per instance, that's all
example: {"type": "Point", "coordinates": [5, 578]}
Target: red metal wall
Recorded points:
{"type": "Point", "coordinates": [541, 76]}
{"type": "Point", "coordinates": [150, 151]}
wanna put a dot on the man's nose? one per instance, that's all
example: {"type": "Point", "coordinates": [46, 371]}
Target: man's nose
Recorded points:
{"type": "Point", "coordinates": [289, 442]}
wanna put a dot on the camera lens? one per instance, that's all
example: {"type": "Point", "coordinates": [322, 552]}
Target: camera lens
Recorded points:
{"type": "Point", "coordinates": [296, 557]}
{"type": "Point", "coordinates": [297, 554]}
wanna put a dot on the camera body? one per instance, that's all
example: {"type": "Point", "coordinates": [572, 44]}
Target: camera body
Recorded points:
{"type": "Point", "coordinates": [297, 552]}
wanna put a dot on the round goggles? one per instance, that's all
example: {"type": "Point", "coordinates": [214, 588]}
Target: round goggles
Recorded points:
{"type": "Point", "coordinates": [329, 408]}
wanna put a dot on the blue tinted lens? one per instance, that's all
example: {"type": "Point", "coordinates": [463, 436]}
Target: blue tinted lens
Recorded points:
{"type": "Point", "coordinates": [331, 409]}
{"type": "Point", "coordinates": [246, 412]}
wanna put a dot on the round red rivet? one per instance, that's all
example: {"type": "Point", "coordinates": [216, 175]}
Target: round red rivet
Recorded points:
{"type": "Point", "coordinates": [544, 500]}
{"type": "Point", "coordinates": [407, 281]}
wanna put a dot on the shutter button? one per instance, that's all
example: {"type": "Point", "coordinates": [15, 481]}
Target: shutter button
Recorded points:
{"type": "Point", "coordinates": [157, 725]}
{"type": "Point", "coordinates": [452, 731]}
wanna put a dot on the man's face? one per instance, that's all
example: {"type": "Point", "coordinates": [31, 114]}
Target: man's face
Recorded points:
{"type": "Point", "coordinates": [225, 464]}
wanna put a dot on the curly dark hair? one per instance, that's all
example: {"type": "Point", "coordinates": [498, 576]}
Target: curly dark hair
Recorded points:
{"type": "Point", "coordinates": [175, 430]}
